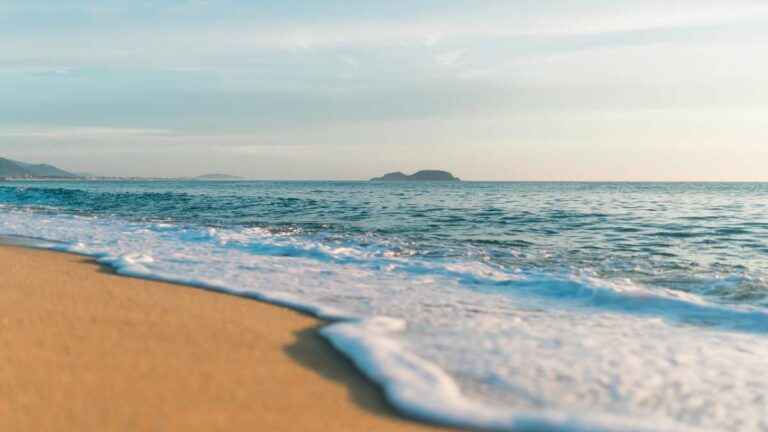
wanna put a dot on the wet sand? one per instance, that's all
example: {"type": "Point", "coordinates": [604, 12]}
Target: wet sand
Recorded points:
{"type": "Point", "coordinates": [82, 349]}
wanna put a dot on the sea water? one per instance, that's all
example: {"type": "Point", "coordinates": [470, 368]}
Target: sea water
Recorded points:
{"type": "Point", "coordinates": [499, 306]}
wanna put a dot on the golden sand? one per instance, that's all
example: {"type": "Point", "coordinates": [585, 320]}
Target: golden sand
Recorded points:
{"type": "Point", "coordinates": [82, 349]}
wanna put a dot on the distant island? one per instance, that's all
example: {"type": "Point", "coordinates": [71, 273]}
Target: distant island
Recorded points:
{"type": "Point", "coordinates": [424, 175]}
{"type": "Point", "coordinates": [16, 170]}
{"type": "Point", "coordinates": [217, 177]}
{"type": "Point", "coordinates": [10, 169]}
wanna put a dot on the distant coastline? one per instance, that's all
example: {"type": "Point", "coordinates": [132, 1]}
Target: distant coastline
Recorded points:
{"type": "Point", "coordinates": [12, 170]}
{"type": "Point", "coordinates": [423, 175]}
{"type": "Point", "coordinates": [217, 177]}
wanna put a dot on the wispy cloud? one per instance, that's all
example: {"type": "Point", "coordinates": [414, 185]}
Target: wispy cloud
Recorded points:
{"type": "Point", "coordinates": [68, 133]}
{"type": "Point", "coordinates": [139, 41]}
{"type": "Point", "coordinates": [433, 77]}
{"type": "Point", "coordinates": [449, 58]}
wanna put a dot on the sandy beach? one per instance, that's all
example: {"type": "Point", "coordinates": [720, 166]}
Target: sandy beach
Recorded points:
{"type": "Point", "coordinates": [82, 349]}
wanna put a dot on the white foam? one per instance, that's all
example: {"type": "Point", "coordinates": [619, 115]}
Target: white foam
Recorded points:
{"type": "Point", "coordinates": [423, 391]}
{"type": "Point", "coordinates": [465, 343]}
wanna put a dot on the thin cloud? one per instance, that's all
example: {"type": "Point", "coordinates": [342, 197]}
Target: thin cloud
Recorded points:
{"type": "Point", "coordinates": [183, 41]}
{"type": "Point", "coordinates": [80, 132]}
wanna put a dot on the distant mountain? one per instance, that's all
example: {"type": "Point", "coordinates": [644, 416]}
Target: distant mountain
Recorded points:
{"type": "Point", "coordinates": [45, 170]}
{"type": "Point", "coordinates": [216, 177]}
{"type": "Point", "coordinates": [395, 176]}
{"type": "Point", "coordinates": [9, 168]}
{"type": "Point", "coordinates": [13, 169]}
{"type": "Point", "coordinates": [424, 175]}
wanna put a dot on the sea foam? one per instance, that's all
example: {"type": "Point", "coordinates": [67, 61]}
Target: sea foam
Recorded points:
{"type": "Point", "coordinates": [461, 341]}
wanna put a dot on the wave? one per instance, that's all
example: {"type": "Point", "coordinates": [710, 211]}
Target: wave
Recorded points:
{"type": "Point", "coordinates": [462, 339]}
{"type": "Point", "coordinates": [417, 388]}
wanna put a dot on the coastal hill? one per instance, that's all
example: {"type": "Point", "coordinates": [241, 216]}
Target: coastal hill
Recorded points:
{"type": "Point", "coordinates": [424, 175]}
{"type": "Point", "coordinates": [14, 169]}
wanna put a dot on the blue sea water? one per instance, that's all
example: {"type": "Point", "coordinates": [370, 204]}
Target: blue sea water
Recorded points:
{"type": "Point", "coordinates": [504, 306]}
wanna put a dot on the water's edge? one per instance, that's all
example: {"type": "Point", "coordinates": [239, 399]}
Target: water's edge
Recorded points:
{"type": "Point", "coordinates": [499, 306]}
{"type": "Point", "coordinates": [327, 321]}
{"type": "Point", "coordinates": [44, 245]}
{"type": "Point", "coordinates": [415, 388]}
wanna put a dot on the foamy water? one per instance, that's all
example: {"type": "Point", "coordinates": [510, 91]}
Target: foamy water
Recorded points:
{"type": "Point", "coordinates": [499, 306]}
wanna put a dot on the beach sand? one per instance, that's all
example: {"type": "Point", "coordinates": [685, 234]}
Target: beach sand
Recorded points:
{"type": "Point", "coordinates": [82, 349]}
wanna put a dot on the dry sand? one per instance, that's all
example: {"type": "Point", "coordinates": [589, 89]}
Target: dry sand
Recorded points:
{"type": "Point", "coordinates": [82, 349]}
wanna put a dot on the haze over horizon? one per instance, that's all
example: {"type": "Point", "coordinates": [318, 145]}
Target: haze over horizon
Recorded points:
{"type": "Point", "coordinates": [489, 90]}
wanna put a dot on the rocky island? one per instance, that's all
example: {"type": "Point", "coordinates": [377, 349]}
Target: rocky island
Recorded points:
{"type": "Point", "coordinates": [424, 175]}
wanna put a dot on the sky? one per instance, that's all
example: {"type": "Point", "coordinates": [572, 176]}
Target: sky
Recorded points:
{"type": "Point", "coordinates": [584, 90]}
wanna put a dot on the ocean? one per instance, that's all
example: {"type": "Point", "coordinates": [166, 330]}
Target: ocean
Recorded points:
{"type": "Point", "coordinates": [499, 306]}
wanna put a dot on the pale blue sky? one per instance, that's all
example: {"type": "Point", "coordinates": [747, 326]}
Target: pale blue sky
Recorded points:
{"type": "Point", "coordinates": [498, 90]}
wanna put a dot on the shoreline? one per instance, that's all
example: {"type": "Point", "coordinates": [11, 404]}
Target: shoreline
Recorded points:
{"type": "Point", "coordinates": [87, 349]}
